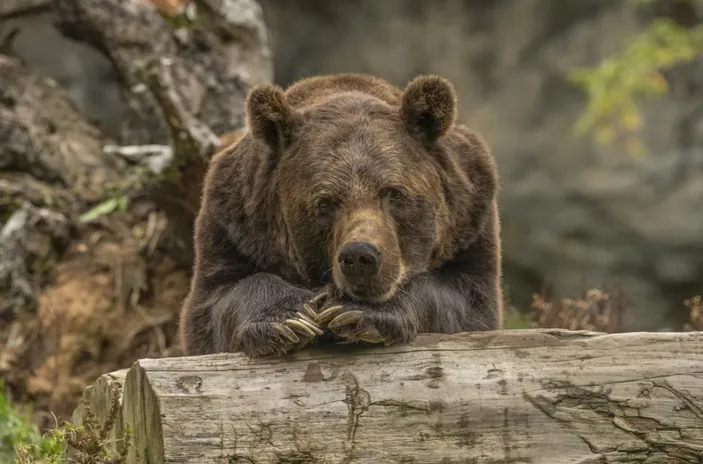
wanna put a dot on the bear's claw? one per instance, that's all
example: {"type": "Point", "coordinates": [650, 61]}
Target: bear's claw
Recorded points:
{"type": "Point", "coordinates": [303, 324]}
{"type": "Point", "coordinates": [317, 298]}
{"type": "Point", "coordinates": [328, 314]}
{"type": "Point", "coordinates": [313, 303]}
{"type": "Point", "coordinates": [347, 318]}
{"type": "Point", "coordinates": [306, 319]}
{"type": "Point", "coordinates": [306, 324]}
{"type": "Point", "coordinates": [371, 336]}
{"type": "Point", "coordinates": [308, 309]}
{"type": "Point", "coordinates": [285, 332]}
{"type": "Point", "coordinates": [303, 327]}
{"type": "Point", "coordinates": [298, 329]}
{"type": "Point", "coordinates": [346, 325]}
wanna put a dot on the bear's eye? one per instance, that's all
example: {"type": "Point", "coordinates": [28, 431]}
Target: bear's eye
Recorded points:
{"type": "Point", "coordinates": [324, 206]}
{"type": "Point", "coordinates": [395, 195]}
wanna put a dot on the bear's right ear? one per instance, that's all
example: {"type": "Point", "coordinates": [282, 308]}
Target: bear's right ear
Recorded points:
{"type": "Point", "coordinates": [428, 107]}
{"type": "Point", "coordinates": [270, 117]}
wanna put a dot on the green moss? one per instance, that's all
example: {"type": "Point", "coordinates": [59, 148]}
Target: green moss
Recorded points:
{"type": "Point", "coordinates": [18, 433]}
{"type": "Point", "coordinates": [22, 443]}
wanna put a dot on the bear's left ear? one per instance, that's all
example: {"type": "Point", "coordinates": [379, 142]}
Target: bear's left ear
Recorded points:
{"type": "Point", "coordinates": [428, 107]}
{"type": "Point", "coordinates": [270, 117]}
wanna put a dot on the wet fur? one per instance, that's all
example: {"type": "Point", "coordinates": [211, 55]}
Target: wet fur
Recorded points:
{"type": "Point", "coordinates": [260, 256]}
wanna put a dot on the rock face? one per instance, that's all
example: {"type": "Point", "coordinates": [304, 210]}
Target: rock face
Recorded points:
{"type": "Point", "coordinates": [574, 215]}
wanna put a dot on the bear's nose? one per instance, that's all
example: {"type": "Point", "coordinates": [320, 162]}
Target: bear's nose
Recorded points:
{"type": "Point", "coordinates": [359, 260]}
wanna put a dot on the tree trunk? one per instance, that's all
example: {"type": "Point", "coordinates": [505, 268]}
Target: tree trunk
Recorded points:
{"type": "Point", "coordinates": [540, 396]}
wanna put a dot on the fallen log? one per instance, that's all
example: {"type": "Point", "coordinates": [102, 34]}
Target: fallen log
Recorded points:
{"type": "Point", "coordinates": [540, 396]}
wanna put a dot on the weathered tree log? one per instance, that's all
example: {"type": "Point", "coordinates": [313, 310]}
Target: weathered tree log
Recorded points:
{"type": "Point", "coordinates": [540, 396]}
{"type": "Point", "coordinates": [15, 7]}
{"type": "Point", "coordinates": [216, 57]}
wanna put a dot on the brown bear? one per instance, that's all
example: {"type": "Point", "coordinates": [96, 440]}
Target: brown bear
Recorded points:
{"type": "Point", "coordinates": [352, 208]}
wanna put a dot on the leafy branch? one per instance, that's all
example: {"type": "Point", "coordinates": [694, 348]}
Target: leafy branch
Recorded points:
{"type": "Point", "coordinates": [617, 86]}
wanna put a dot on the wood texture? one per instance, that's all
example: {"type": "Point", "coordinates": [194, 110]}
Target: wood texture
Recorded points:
{"type": "Point", "coordinates": [14, 7]}
{"type": "Point", "coordinates": [527, 396]}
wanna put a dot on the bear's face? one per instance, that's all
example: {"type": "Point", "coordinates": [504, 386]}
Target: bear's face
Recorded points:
{"type": "Point", "coordinates": [360, 190]}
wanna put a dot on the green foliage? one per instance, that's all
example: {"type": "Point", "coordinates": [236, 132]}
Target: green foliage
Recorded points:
{"type": "Point", "coordinates": [620, 82]}
{"type": "Point", "coordinates": [514, 319]}
{"type": "Point", "coordinates": [22, 443]}
{"type": "Point", "coordinates": [105, 207]}
{"type": "Point", "coordinates": [18, 432]}
{"type": "Point", "coordinates": [77, 444]}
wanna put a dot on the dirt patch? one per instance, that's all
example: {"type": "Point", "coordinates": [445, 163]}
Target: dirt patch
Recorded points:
{"type": "Point", "coordinates": [113, 298]}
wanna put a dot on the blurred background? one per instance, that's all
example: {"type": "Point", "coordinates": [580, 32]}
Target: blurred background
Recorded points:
{"type": "Point", "coordinates": [593, 109]}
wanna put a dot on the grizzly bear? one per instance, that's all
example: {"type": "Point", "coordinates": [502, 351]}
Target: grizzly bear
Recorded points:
{"type": "Point", "coordinates": [350, 208]}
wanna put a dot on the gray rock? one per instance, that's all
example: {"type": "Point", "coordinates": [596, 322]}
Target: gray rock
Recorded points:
{"type": "Point", "coordinates": [574, 215]}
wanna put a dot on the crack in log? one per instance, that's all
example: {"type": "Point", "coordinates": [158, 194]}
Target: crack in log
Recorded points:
{"type": "Point", "coordinates": [357, 400]}
{"type": "Point", "coordinates": [423, 406]}
{"type": "Point", "coordinates": [688, 401]}
{"type": "Point", "coordinates": [616, 413]}
{"type": "Point", "coordinates": [619, 382]}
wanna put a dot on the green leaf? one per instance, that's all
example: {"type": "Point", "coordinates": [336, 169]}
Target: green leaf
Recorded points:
{"type": "Point", "coordinates": [616, 85]}
{"type": "Point", "coordinates": [103, 208]}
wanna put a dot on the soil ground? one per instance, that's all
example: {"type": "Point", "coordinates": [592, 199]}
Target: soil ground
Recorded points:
{"type": "Point", "coordinates": [110, 301]}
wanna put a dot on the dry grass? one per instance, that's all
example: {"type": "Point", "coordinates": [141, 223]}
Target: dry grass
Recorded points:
{"type": "Point", "coordinates": [695, 308]}
{"type": "Point", "coordinates": [88, 443]}
{"type": "Point", "coordinates": [111, 301]}
{"type": "Point", "coordinates": [596, 310]}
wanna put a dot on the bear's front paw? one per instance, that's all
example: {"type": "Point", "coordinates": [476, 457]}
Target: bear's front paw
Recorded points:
{"type": "Point", "coordinates": [283, 333]}
{"type": "Point", "coordinates": [357, 323]}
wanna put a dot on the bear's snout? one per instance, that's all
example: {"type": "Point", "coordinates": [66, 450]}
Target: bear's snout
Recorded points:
{"type": "Point", "coordinates": [367, 263]}
{"type": "Point", "coordinates": [359, 261]}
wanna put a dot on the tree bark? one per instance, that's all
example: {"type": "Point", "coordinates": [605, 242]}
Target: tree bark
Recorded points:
{"type": "Point", "coordinates": [541, 396]}
{"type": "Point", "coordinates": [184, 79]}
{"type": "Point", "coordinates": [51, 165]}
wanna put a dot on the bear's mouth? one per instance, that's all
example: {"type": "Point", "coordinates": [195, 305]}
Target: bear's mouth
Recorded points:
{"type": "Point", "coordinates": [374, 290]}
{"type": "Point", "coordinates": [371, 293]}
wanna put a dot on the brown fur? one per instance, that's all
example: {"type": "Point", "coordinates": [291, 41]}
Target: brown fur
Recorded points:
{"type": "Point", "coordinates": [334, 160]}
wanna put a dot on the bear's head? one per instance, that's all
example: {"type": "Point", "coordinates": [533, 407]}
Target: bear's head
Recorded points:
{"type": "Point", "coordinates": [364, 186]}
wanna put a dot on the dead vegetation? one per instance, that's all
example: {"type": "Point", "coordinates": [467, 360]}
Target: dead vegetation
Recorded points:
{"type": "Point", "coordinates": [695, 309]}
{"type": "Point", "coordinates": [111, 299]}
{"type": "Point", "coordinates": [596, 310]}
{"type": "Point", "coordinates": [96, 231]}
{"type": "Point", "coordinates": [87, 443]}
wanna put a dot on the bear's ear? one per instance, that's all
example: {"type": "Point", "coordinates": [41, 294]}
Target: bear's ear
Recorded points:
{"type": "Point", "coordinates": [270, 117]}
{"type": "Point", "coordinates": [428, 107]}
